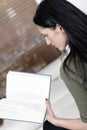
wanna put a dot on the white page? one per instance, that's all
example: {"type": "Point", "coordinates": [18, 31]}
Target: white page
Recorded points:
{"type": "Point", "coordinates": [28, 86]}
{"type": "Point", "coordinates": [25, 97]}
{"type": "Point", "coordinates": [14, 111]}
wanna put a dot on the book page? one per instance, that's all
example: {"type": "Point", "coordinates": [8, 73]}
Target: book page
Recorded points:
{"type": "Point", "coordinates": [25, 97]}
{"type": "Point", "coordinates": [28, 86]}
{"type": "Point", "coordinates": [15, 111]}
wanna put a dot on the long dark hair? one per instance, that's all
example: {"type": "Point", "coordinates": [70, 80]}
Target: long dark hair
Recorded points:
{"type": "Point", "coordinates": [74, 22]}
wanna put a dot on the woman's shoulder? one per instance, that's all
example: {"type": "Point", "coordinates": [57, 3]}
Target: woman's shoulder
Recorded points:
{"type": "Point", "coordinates": [73, 74]}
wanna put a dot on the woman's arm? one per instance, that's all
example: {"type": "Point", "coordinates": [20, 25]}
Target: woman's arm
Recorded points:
{"type": "Point", "coordinates": [72, 124]}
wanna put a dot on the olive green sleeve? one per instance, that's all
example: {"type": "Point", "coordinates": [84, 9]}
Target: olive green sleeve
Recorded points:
{"type": "Point", "coordinates": [78, 89]}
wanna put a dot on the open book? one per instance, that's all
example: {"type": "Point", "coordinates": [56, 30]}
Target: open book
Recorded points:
{"type": "Point", "coordinates": [25, 96]}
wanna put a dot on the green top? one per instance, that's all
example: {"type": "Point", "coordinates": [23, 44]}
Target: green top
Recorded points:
{"type": "Point", "coordinates": [77, 88]}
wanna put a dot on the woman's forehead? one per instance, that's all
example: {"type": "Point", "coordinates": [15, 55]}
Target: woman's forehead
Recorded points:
{"type": "Point", "coordinates": [43, 29]}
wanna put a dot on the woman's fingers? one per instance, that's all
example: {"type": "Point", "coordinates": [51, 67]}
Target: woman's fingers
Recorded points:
{"type": "Point", "coordinates": [48, 104]}
{"type": "Point", "coordinates": [50, 115]}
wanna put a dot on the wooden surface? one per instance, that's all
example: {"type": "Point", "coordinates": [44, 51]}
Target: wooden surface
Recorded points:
{"type": "Point", "coordinates": [21, 45]}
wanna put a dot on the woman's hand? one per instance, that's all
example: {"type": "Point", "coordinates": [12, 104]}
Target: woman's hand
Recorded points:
{"type": "Point", "coordinates": [50, 116]}
{"type": "Point", "coordinates": [74, 124]}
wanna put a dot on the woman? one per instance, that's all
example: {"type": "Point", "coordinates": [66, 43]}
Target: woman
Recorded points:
{"type": "Point", "coordinates": [62, 24]}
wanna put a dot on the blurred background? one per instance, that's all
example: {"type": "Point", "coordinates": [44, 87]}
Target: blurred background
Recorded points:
{"type": "Point", "coordinates": [22, 47]}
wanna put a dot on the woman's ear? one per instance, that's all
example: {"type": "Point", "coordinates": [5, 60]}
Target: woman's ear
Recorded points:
{"type": "Point", "coordinates": [59, 28]}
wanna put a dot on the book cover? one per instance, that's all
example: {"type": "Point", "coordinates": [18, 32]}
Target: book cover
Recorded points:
{"type": "Point", "coordinates": [25, 97]}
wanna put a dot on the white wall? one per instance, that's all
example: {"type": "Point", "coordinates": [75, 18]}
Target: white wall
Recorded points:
{"type": "Point", "coordinates": [81, 4]}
